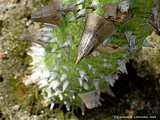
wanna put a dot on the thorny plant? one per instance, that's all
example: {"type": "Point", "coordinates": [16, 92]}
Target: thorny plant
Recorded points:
{"type": "Point", "coordinates": [54, 71]}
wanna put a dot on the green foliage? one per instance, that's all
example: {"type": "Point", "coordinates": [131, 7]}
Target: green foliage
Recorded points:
{"type": "Point", "coordinates": [75, 29]}
{"type": "Point", "coordinates": [64, 58]}
{"type": "Point", "coordinates": [109, 1]}
{"type": "Point", "coordinates": [69, 1]}
{"type": "Point", "coordinates": [72, 31]}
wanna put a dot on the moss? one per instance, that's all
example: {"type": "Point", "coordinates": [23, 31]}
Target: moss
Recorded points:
{"type": "Point", "coordinates": [138, 25]}
{"type": "Point", "coordinates": [109, 1]}
{"type": "Point", "coordinates": [14, 67]}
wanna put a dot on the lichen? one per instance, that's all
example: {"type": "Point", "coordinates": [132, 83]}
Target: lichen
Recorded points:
{"type": "Point", "coordinates": [151, 52]}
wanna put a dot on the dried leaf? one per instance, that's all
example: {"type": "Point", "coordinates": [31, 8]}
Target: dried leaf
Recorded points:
{"type": "Point", "coordinates": [120, 13]}
{"type": "Point", "coordinates": [91, 99]}
{"type": "Point", "coordinates": [52, 13]}
{"type": "Point", "coordinates": [110, 48]}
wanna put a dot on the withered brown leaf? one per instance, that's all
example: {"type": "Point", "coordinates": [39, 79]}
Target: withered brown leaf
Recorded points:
{"type": "Point", "coordinates": [52, 13]}
{"type": "Point", "coordinates": [113, 13]}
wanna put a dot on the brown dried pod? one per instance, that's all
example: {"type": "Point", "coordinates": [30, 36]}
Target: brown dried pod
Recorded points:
{"type": "Point", "coordinates": [97, 29]}
{"type": "Point", "coordinates": [52, 13]}
{"type": "Point", "coordinates": [49, 14]}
